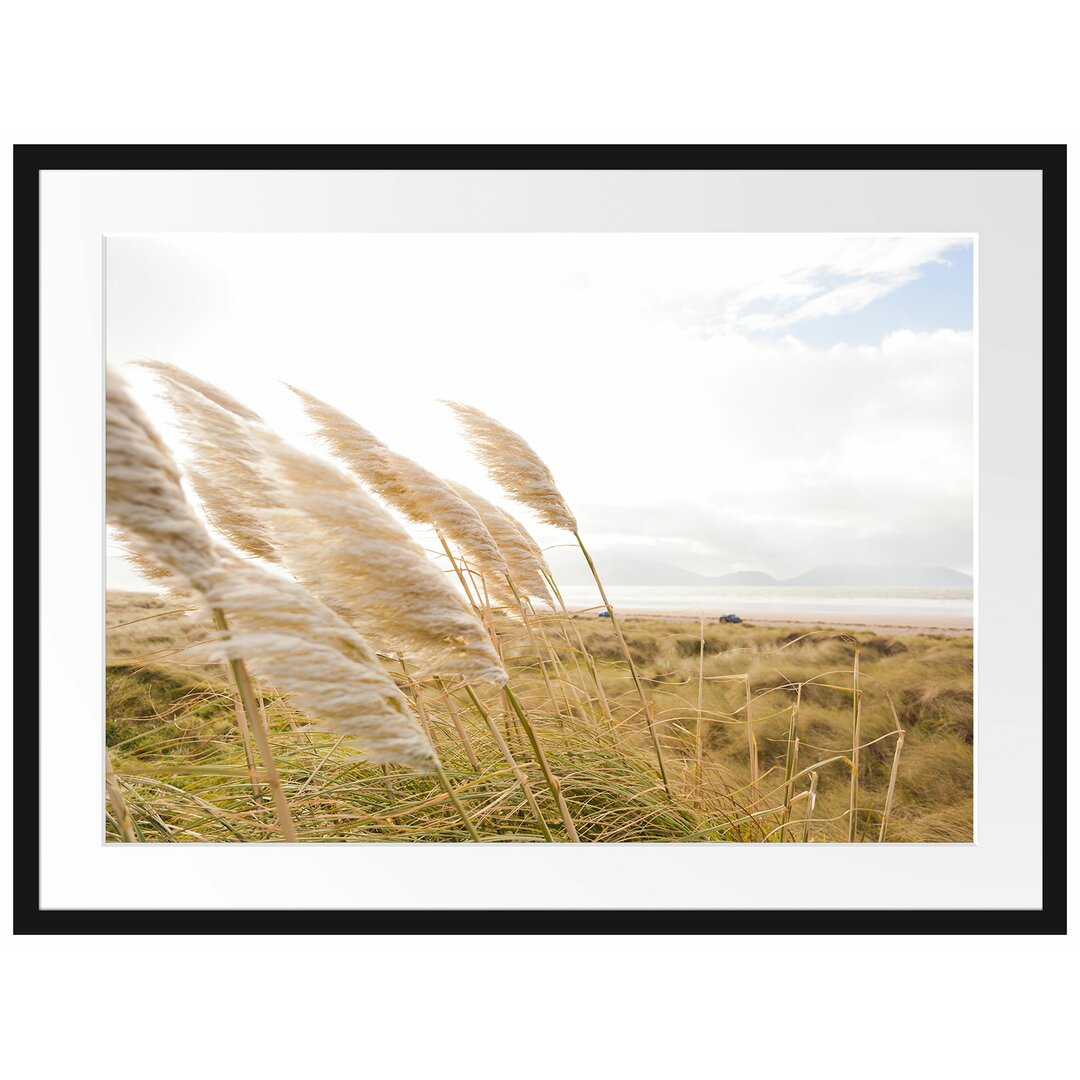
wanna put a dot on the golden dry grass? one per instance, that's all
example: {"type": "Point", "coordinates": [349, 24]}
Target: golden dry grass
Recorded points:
{"type": "Point", "coordinates": [181, 766]}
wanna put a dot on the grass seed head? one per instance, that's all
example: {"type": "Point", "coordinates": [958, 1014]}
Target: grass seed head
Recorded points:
{"type": "Point", "coordinates": [515, 466]}
{"type": "Point", "coordinates": [525, 570]}
{"type": "Point", "coordinates": [415, 492]}
{"type": "Point", "coordinates": [300, 645]}
{"type": "Point", "coordinates": [341, 543]}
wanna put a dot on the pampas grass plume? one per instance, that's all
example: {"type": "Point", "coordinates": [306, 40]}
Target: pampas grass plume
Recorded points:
{"type": "Point", "coordinates": [224, 468]}
{"type": "Point", "coordinates": [330, 533]}
{"type": "Point", "coordinates": [300, 645]}
{"type": "Point", "coordinates": [526, 570]}
{"type": "Point", "coordinates": [417, 494]}
{"type": "Point", "coordinates": [515, 466]}
{"type": "Point", "coordinates": [340, 542]}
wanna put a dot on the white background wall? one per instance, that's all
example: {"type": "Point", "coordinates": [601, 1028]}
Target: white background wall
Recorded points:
{"type": "Point", "coordinates": [564, 72]}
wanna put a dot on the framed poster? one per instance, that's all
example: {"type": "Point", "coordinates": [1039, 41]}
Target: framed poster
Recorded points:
{"type": "Point", "coordinates": [551, 536]}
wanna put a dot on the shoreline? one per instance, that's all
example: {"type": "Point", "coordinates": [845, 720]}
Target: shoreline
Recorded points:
{"type": "Point", "coordinates": [882, 623]}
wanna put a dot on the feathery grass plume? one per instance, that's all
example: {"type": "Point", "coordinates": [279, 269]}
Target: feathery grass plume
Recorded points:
{"type": "Point", "coordinates": [530, 542]}
{"type": "Point", "coordinates": [515, 466]}
{"type": "Point", "coordinates": [322, 663]}
{"type": "Point", "coordinates": [300, 645]}
{"type": "Point", "coordinates": [417, 494]}
{"type": "Point", "coordinates": [526, 570]}
{"type": "Point", "coordinates": [151, 572]}
{"type": "Point", "coordinates": [361, 562]}
{"type": "Point", "coordinates": [518, 470]}
{"type": "Point", "coordinates": [235, 521]}
{"type": "Point", "coordinates": [200, 386]}
{"type": "Point", "coordinates": [525, 578]}
{"type": "Point", "coordinates": [224, 469]}
{"type": "Point", "coordinates": [346, 548]}
{"type": "Point", "coordinates": [144, 498]}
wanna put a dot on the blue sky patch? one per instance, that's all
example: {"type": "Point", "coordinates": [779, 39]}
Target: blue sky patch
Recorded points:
{"type": "Point", "coordinates": [940, 298]}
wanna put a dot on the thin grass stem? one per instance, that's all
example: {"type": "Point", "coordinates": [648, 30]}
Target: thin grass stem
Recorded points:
{"type": "Point", "coordinates": [541, 757]}
{"type": "Point", "coordinates": [856, 716]}
{"type": "Point", "coordinates": [811, 800]}
{"type": "Point", "coordinates": [455, 719]}
{"type": "Point", "coordinates": [116, 801]}
{"type": "Point", "coordinates": [257, 724]}
{"type": "Point", "coordinates": [630, 661]}
{"type": "Point", "coordinates": [791, 758]}
{"type": "Point", "coordinates": [755, 794]}
{"type": "Point", "coordinates": [448, 788]}
{"type": "Point", "coordinates": [515, 768]}
{"type": "Point", "coordinates": [892, 786]}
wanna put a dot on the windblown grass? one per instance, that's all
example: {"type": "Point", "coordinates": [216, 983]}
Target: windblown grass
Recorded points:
{"type": "Point", "coordinates": [491, 714]}
{"type": "Point", "coordinates": [181, 765]}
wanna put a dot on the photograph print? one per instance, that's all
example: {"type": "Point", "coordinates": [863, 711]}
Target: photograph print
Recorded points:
{"type": "Point", "coordinates": [526, 538]}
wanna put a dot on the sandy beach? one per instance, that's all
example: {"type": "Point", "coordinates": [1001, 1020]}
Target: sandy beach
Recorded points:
{"type": "Point", "coordinates": [886, 623]}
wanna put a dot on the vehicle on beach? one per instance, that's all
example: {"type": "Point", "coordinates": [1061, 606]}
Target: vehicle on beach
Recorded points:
{"type": "Point", "coordinates": [729, 618]}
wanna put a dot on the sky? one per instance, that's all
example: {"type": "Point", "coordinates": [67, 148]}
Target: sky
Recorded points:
{"type": "Point", "coordinates": [711, 401]}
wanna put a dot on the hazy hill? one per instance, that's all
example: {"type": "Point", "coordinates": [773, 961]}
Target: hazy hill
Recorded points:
{"type": "Point", "coordinates": [744, 577]}
{"type": "Point", "coordinates": [882, 575]}
{"type": "Point", "coordinates": [570, 569]}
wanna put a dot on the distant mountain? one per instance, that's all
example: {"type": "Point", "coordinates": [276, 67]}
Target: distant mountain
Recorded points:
{"type": "Point", "coordinates": [744, 577]}
{"type": "Point", "coordinates": [570, 569]}
{"type": "Point", "coordinates": [881, 575]}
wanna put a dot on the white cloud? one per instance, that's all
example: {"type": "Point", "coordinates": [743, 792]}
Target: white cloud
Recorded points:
{"type": "Point", "coordinates": [804, 278]}
{"type": "Point", "coordinates": [732, 448]}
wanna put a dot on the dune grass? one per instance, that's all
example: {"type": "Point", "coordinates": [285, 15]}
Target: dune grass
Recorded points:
{"type": "Point", "coordinates": [186, 775]}
{"type": "Point", "coordinates": [446, 715]}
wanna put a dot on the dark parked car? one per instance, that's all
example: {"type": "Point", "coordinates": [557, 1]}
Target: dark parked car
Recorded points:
{"type": "Point", "coordinates": [729, 618]}
{"type": "Point", "coordinates": [605, 614]}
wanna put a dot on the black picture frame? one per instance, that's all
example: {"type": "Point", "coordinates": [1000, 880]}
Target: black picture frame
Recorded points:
{"type": "Point", "coordinates": [31, 160]}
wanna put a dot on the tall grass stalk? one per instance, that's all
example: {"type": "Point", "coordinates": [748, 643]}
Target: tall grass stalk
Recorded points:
{"type": "Point", "coordinates": [457, 570]}
{"type": "Point", "coordinates": [755, 793]}
{"type": "Point", "coordinates": [541, 758]}
{"type": "Point", "coordinates": [590, 662]}
{"type": "Point", "coordinates": [698, 732]}
{"type": "Point", "coordinates": [245, 737]}
{"type": "Point", "coordinates": [558, 606]}
{"type": "Point", "coordinates": [650, 719]}
{"type": "Point", "coordinates": [117, 802]}
{"type": "Point", "coordinates": [561, 676]}
{"type": "Point", "coordinates": [388, 785]}
{"type": "Point", "coordinates": [811, 800]}
{"type": "Point", "coordinates": [791, 759]}
{"type": "Point", "coordinates": [892, 785]}
{"type": "Point", "coordinates": [459, 727]}
{"type": "Point", "coordinates": [508, 757]}
{"type": "Point", "coordinates": [418, 701]}
{"type": "Point", "coordinates": [856, 716]}
{"type": "Point", "coordinates": [527, 622]}
{"type": "Point", "coordinates": [258, 728]}
{"type": "Point", "coordinates": [315, 772]}
{"type": "Point", "coordinates": [440, 772]}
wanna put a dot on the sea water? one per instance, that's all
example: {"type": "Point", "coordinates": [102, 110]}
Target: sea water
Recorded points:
{"type": "Point", "coordinates": [854, 603]}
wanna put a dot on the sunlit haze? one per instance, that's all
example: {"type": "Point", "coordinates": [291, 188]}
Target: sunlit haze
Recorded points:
{"type": "Point", "coordinates": [710, 402]}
